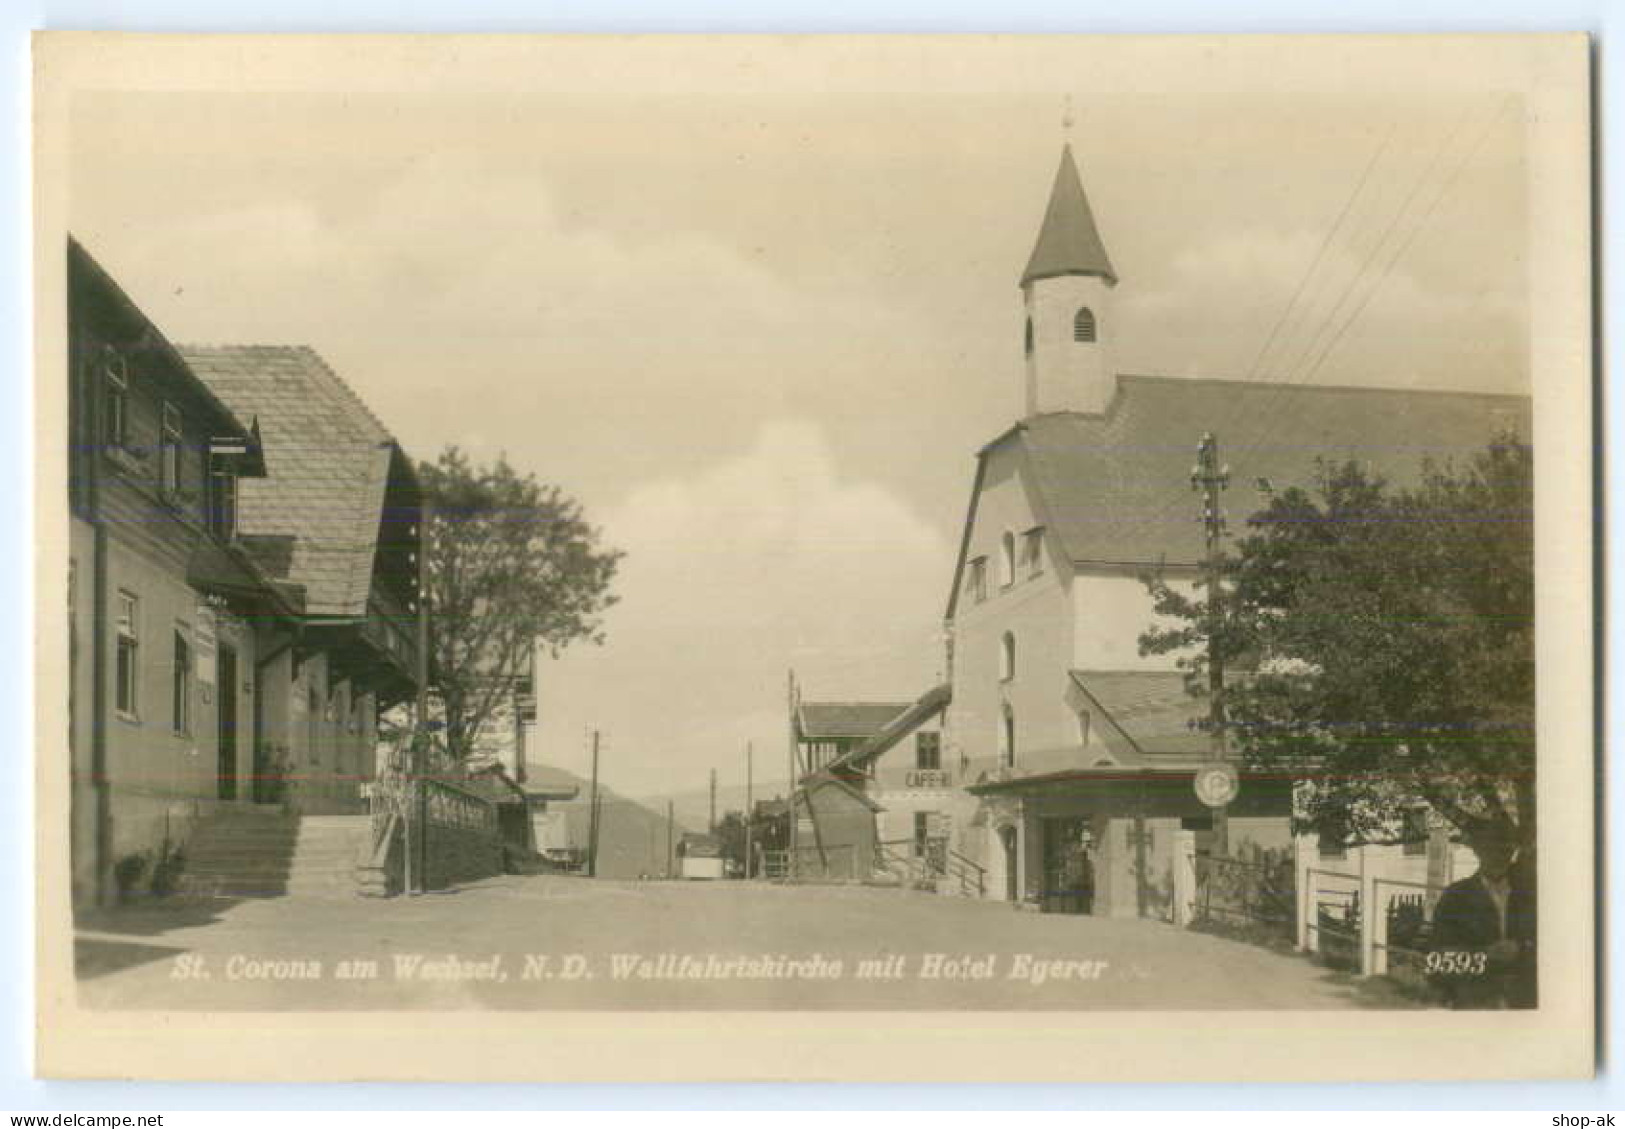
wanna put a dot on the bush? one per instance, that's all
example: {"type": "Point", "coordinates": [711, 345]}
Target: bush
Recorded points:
{"type": "Point", "coordinates": [167, 871]}
{"type": "Point", "coordinates": [128, 872]}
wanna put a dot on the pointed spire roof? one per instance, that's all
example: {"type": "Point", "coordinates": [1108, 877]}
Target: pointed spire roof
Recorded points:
{"type": "Point", "coordinates": [1069, 242]}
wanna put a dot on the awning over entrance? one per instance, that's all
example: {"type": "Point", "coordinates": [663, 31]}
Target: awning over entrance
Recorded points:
{"type": "Point", "coordinates": [1079, 780]}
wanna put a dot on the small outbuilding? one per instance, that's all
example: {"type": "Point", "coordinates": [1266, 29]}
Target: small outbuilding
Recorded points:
{"type": "Point", "coordinates": [700, 856]}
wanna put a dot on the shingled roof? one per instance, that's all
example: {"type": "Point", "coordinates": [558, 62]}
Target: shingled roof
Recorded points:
{"type": "Point", "coordinates": [328, 459]}
{"type": "Point", "coordinates": [829, 720]}
{"type": "Point", "coordinates": [1068, 242]}
{"type": "Point", "coordinates": [1114, 488]}
{"type": "Point", "coordinates": [931, 703]}
{"type": "Point", "coordinates": [1151, 707]}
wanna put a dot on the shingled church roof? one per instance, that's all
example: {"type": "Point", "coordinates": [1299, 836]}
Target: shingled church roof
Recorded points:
{"type": "Point", "coordinates": [1114, 488]}
{"type": "Point", "coordinates": [1068, 242]}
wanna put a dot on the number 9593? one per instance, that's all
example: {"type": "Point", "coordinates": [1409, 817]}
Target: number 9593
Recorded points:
{"type": "Point", "coordinates": [1455, 963]}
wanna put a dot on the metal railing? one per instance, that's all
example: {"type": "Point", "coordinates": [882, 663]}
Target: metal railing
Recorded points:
{"type": "Point", "coordinates": [1333, 915]}
{"type": "Point", "coordinates": [972, 876]}
{"type": "Point", "coordinates": [447, 805]}
{"type": "Point", "coordinates": [1408, 916]}
{"type": "Point", "coordinates": [1239, 890]}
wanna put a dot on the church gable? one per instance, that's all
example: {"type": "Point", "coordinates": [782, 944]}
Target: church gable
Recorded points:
{"type": "Point", "coordinates": [1006, 545]}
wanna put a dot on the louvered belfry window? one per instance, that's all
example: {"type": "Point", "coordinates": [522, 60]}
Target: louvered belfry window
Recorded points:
{"type": "Point", "coordinates": [1083, 325]}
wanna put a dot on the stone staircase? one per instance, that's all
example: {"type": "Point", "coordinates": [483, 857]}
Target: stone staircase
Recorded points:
{"type": "Point", "coordinates": [252, 851]}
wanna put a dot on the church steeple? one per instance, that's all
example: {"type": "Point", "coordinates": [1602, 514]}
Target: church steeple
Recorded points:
{"type": "Point", "coordinates": [1069, 242]}
{"type": "Point", "coordinates": [1067, 292]}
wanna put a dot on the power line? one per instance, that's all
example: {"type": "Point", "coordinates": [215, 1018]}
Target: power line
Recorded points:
{"type": "Point", "coordinates": [1320, 255]}
{"type": "Point", "coordinates": [1409, 239]}
{"type": "Point", "coordinates": [1270, 415]}
{"type": "Point", "coordinates": [1304, 284]}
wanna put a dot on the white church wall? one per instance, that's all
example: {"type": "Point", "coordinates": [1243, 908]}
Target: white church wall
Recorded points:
{"type": "Point", "coordinates": [1033, 609]}
{"type": "Point", "coordinates": [1064, 374]}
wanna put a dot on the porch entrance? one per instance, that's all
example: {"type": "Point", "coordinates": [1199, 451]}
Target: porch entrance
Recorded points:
{"type": "Point", "coordinates": [226, 692]}
{"type": "Point", "coordinates": [1069, 873]}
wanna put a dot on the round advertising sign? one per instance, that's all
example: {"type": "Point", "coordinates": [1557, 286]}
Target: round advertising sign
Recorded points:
{"type": "Point", "coordinates": [1217, 784]}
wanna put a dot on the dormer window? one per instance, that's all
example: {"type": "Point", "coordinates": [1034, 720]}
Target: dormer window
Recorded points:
{"type": "Point", "coordinates": [1083, 326]}
{"type": "Point", "coordinates": [976, 585]}
{"type": "Point", "coordinates": [1032, 551]}
{"type": "Point", "coordinates": [1007, 560]}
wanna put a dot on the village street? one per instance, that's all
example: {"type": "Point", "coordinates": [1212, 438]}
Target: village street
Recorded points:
{"type": "Point", "coordinates": [803, 948]}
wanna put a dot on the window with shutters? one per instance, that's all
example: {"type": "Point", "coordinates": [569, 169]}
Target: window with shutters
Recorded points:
{"type": "Point", "coordinates": [1083, 325]}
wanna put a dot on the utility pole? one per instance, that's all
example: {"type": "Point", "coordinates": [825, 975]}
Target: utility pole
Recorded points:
{"type": "Point", "coordinates": [416, 865]}
{"type": "Point", "coordinates": [713, 827]}
{"type": "Point", "coordinates": [750, 809]}
{"type": "Point", "coordinates": [592, 814]}
{"type": "Point", "coordinates": [1209, 477]}
{"type": "Point", "coordinates": [670, 823]}
{"type": "Point", "coordinates": [597, 829]}
{"type": "Point", "coordinates": [791, 837]}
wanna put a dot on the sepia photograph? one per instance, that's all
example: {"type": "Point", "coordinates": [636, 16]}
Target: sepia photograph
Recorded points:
{"type": "Point", "coordinates": [1082, 540]}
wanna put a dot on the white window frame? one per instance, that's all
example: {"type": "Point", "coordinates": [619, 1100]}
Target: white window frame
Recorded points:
{"type": "Point", "coordinates": [169, 449]}
{"type": "Point", "coordinates": [115, 399]}
{"type": "Point", "coordinates": [127, 672]}
{"type": "Point", "coordinates": [922, 739]}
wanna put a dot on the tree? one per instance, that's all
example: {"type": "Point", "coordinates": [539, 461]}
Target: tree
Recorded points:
{"type": "Point", "coordinates": [1390, 636]}
{"type": "Point", "coordinates": [512, 565]}
{"type": "Point", "coordinates": [730, 835]}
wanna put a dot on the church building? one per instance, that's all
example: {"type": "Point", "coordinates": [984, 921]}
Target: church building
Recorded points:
{"type": "Point", "coordinates": [1077, 754]}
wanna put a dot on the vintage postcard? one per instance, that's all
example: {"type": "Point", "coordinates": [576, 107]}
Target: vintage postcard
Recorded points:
{"type": "Point", "coordinates": [829, 558]}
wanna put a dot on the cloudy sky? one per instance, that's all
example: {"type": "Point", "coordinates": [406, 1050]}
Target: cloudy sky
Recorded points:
{"type": "Point", "coordinates": [761, 337]}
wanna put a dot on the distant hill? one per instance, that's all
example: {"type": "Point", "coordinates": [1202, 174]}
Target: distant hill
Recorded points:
{"type": "Point", "coordinates": [693, 807]}
{"type": "Point", "coordinates": [631, 835]}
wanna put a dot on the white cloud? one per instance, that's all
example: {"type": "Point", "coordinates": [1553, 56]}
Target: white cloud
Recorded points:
{"type": "Point", "coordinates": [763, 561]}
{"type": "Point", "coordinates": [1218, 303]}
